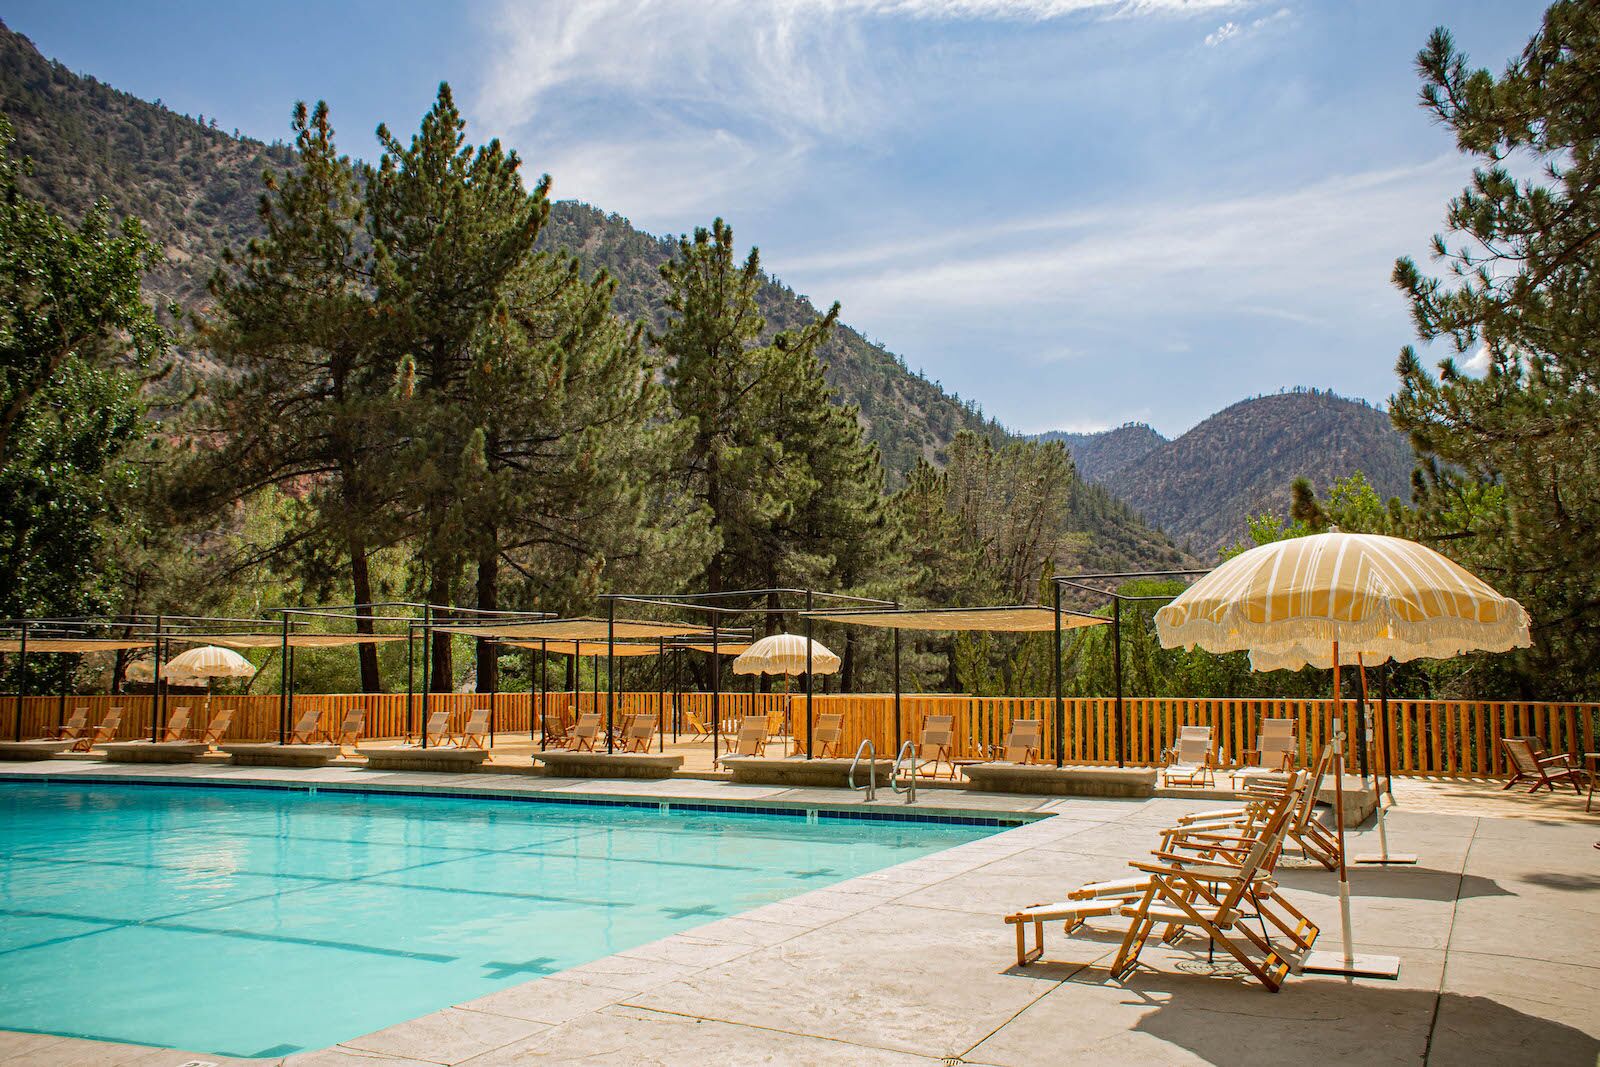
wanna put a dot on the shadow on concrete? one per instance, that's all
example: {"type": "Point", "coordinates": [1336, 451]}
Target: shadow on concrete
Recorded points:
{"type": "Point", "coordinates": [1400, 883]}
{"type": "Point", "coordinates": [1572, 883]}
{"type": "Point", "coordinates": [1221, 1020]}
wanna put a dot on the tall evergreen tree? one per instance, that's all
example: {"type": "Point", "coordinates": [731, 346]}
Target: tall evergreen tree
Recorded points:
{"type": "Point", "coordinates": [74, 334]}
{"type": "Point", "coordinates": [1524, 287]}
{"type": "Point", "coordinates": [308, 400]}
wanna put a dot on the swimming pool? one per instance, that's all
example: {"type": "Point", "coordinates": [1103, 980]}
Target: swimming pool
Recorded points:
{"type": "Point", "coordinates": [258, 923]}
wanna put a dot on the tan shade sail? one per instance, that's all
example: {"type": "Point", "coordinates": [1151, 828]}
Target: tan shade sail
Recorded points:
{"type": "Point", "coordinates": [74, 644]}
{"type": "Point", "coordinates": [723, 648]}
{"type": "Point", "coordinates": [1019, 618]}
{"type": "Point", "coordinates": [1385, 597]}
{"type": "Point", "coordinates": [588, 648]}
{"type": "Point", "coordinates": [580, 629]}
{"type": "Point", "coordinates": [209, 661]}
{"type": "Point", "coordinates": [785, 654]}
{"type": "Point", "coordinates": [295, 640]}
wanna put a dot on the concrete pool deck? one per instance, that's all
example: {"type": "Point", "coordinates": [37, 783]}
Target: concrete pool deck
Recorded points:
{"type": "Point", "coordinates": [1497, 928]}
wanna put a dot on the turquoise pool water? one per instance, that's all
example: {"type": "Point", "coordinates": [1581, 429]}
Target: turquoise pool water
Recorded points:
{"type": "Point", "coordinates": [252, 922]}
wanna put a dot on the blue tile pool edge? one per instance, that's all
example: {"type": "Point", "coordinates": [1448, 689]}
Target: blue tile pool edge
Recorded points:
{"type": "Point", "coordinates": [782, 809]}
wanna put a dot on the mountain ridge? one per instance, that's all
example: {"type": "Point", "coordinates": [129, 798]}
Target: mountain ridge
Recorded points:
{"type": "Point", "coordinates": [196, 189]}
{"type": "Point", "coordinates": [1253, 450]}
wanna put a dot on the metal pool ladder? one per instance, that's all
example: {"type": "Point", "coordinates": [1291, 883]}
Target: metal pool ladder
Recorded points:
{"type": "Point", "coordinates": [872, 770]}
{"type": "Point", "coordinates": [908, 755]}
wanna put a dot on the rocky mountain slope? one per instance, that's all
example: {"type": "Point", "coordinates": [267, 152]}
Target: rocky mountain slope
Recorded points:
{"type": "Point", "coordinates": [1201, 487]}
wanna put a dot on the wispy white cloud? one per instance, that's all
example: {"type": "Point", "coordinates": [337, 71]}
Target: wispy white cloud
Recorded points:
{"type": "Point", "coordinates": [1305, 256]}
{"type": "Point", "coordinates": [704, 86]}
{"type": "Point", "coordinates": [1231, 30]}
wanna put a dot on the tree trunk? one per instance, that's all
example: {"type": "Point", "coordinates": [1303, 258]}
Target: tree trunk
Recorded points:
{"type": "Point", "coordinates": [361, 580]}
{"type": "Point", "coordinates": [488, 600]}
{"type": "Point", "coordinates": [442, 667]}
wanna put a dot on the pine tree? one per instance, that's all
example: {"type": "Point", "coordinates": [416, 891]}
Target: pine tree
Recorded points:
{"type": "Point", "coordinates": [308, 401]}
{"type": "Point", "coordinates": [729, 384]}
{"type": "Point", "coordinates": [74, 333]}
{"type": "Point", "coordinates": [1524, 286]}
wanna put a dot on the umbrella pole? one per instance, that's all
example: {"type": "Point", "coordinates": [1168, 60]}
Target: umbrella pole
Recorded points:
{"type": "Point", "coordinates": [1383, 857]}
{"type": "Point", "coordinates": [1346, 961]}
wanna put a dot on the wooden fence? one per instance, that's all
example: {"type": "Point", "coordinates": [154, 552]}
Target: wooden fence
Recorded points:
{"type": "Point", "coordinates": [1426, 737]}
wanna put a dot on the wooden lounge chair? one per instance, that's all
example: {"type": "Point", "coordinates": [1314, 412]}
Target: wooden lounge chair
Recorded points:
{"type": "Point", "coordinates": [557, 731]}
{"type": "Point", "coordinates": [698, 731]}
{"type": "Point", "coordinates": [827, 736]}
{"type": "Point", "coordinates": [104, 732]}
{"type": "Point", "coordinates": [586, 732]}
{"type": "Point", "coordinates": [217, 727]}
{"type": "Point", "coordinates": [1277, 747]}
{"type": "Point", "coordinates": [640, 732]}
{"type": "Point", "coordinates": [934, 745]}
{"type": "Point", "coordinates": [177, 725]}
{"type": "Point", "coordinates": [1022, 744]}
{"type": "Point", "coordinates": [349, 731]}
{"type": "Point", "coordinates": [751, 741]}
{"type": "Point", "coordinates": [1210, 857]}
{"type": "Point", "coordinates": [1213, 898]}
{"type": "Point", "coordinates": [1315, 840]}
{"type": "Point", "coordinates": [436, 730]}
{"type": "Point", "coordinates": [1192, 758]}
{"type": "Point", "coordinates": [75, 725]}
{"type": "Point", "coordinates": [306, 728]}
{"type": "Point", "coordinates": [476, 733]}
{"type": "Point", "coordinates": [1542, 771]}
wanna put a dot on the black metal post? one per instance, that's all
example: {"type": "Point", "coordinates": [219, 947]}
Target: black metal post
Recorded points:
{"type": "Point", "coordinates": [611, 672]}
{"type": "Point", "coordinates": [494, 685]}
{"type": "Point", "coordinates": [427, 667]}
{"type": "Point", "coordinates": [411, 675]}
{"type": "Point", "coordinates": [291, 683]}
{"type": "Point", "coordinates": [677, 695]}
{"type": "Point", "coordinates": [808, 675]}
{"type": "Point", "coordinates": [541, 685]}
{"type": "Point", "coordinates": [661, 695]}
{"type": "Point", "coordinates": [61, 705]}
{"type": "Point", "coordinates": [897, 727]}
{"type": "Point", "coordinates": [716, 692]}
{"type": "Point", "coordinates": [160, 713]}
{"type": "Point", "coordinates": [283, 680]}
{"type": "Point", "coordinates": [1116, 659]}
{"type": "Point", "coordinates": [1055, 677]}
{"type": "Point", "coordinates": [1361, 722]}
{"type": "Point", "coordinates": [22, 679]}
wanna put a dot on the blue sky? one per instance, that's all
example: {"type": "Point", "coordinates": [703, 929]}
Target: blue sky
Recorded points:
{"type": "Point", "coordinates": [1075, 212]}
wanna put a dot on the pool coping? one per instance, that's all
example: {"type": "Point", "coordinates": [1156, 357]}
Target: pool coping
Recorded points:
{"type": "Point", "coordinates": [525, 1009]}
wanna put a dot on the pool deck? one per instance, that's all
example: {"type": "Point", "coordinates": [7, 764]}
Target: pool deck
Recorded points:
{"type": "Point", "coordinates": [1497, 930]}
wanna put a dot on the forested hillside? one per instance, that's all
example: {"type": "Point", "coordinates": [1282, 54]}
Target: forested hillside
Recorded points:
{"type": "Point", "coordinates": [1202, 486]}
{"type": "Point", "coordinates": [195, 188]}
{"type": "Point", "coordinates": [1100, 455]}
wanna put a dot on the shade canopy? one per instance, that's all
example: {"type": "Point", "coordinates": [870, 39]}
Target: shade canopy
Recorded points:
{"type": "Point", "coordinates": [578, 629]}
{"type": "Point", "coordinates": [722, 648]}
{"type": "Point", "coordinates": [1016, 618]}
{"type": "Point", "coordinates": [73, 644]}
{"type": "Point", "coordinates": [1384, 597]}
{"type": "Point", "coordinates": [588, 648]}
{"type": "Point", "coordinates": [785, 654]}
{"type": "Point", "coordinates": [209, 661]}
{"type": "Point", "coordinates": [294, 640]}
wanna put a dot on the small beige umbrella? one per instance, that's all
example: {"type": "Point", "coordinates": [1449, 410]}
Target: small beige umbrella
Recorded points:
{"type": "Point", "coordinates": [207, 662]}
{"type": "Point", "coordinates": [785, 654]}
{"type": "Point", "coordinates": [1380, 596]}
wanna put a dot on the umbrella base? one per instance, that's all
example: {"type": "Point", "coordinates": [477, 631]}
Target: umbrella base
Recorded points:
{"type": "Point", "coordinates": [1357, 965]}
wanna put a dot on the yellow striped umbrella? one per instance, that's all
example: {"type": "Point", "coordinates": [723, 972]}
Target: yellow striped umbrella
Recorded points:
{"type": "Point", "coordinates": [1292, 603]}
{"type": "Point", "coordinates": [1385, 597]}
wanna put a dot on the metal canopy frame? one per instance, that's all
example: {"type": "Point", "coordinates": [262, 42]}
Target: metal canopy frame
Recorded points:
{"type": "Point", "coordinates": [1082, 582]}
{"type": "Point", "coordinates": [713, 605]}
{"type": "Point", "coordinates": [1056, 611]}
